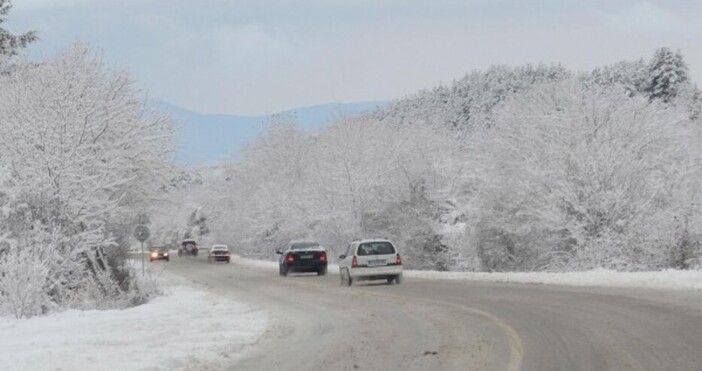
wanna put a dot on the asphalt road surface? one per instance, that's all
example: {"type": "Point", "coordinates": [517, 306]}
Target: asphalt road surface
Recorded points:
{"type": "Point", "coordinates": [445, 325]}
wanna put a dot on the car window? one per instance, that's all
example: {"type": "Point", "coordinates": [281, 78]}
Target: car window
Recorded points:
{"type": "Point", "coordinates": [303, 245]}
{"type": "Point", "coordinates": [375, 248]}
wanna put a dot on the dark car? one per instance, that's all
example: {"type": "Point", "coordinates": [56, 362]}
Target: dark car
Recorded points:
{"type": "Point", "coordinates": [219, 253]}
{"type": "Point", "coordinates": [303, 257]}
{"type": "Point", "coordinates": [188, 247]}
{"type": "Point", "coordinates": [159, 253]}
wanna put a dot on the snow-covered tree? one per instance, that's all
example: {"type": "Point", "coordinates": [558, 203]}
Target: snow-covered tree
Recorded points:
{"type": "Point", "coordinates": [583, 176]}
{"type": "Point", "coordinates": [668, 72]}
{"type": "Point", "coordinates": [10, 43]}
{"type": "Point", "coordinates": [81, 160]}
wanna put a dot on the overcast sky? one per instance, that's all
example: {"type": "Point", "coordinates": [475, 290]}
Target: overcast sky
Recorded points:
{"type": "Point", "coordinates": [260, 57]}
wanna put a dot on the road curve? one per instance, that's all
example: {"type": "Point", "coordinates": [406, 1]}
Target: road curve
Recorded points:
{"type": "Point", "coordinates": [444, 325]}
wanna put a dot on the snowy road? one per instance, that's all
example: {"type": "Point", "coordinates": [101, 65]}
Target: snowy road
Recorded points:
{"type": "Point", "coordinates": [448, 325]}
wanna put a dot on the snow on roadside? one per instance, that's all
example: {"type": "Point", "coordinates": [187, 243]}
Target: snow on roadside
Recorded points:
{"type": "Point", "coordinates": [185, 329]}
{"type": "Point", "coordinates": [666, 280]}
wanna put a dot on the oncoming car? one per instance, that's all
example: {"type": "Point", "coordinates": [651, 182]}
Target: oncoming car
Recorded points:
{"type": "Point", "coordinates": [303, 256]}
{"type": "Point", "coordinates": [375, 259]}
{"type": "Point", "coordinates": [159, 253]}
{"type": "Point", "coordinates": [219, 253]}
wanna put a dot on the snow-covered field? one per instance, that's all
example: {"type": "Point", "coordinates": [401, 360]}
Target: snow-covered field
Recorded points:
{"type": "Point", "coordinates": [185, 329]}
{"type": "Point", "coordinates": [665, 280]}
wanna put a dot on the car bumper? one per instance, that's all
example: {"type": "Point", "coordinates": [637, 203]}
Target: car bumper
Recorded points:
{"type": "Point", "coordinates": [375, 272]}
{"type": "Point", "coordinates": [303, 266]}
{"type": "Point", "coordinates": [219, 258]}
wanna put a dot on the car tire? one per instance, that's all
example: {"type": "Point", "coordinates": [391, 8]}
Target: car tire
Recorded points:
{"type": "Point", "coordinates": [285, 272]}
{"type": "Point", "coordinates": [341, 278]}
{"type": "Point", "coordinates": [398, 279]}
{"type": "Point", "coordinates": [229, 260]}
{"type": "Point", "coordinates": [322, 272]}
{"type": "Point", "coordinates": [168, 259]}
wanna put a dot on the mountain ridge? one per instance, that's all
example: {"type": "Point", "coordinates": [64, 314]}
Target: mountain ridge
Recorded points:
{"type": "Point", "coordinates": [206, 139]}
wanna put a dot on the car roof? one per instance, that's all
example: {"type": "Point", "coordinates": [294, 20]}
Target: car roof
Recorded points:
{"type": "Point", "coordinates": [372, 240]}
{"type": "Point", "coordinates": [219, 246]}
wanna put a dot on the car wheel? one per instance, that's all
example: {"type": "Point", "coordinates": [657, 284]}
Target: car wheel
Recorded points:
{"type": "Point", "coordinates": [322, 272]}
{"type": "Point", "coordinates": [168, 259]}
{"type": "Point", "coordinates": [398, 279]}
{"type": "Point", "coordinates": [229, 261]}
{"type": "Point", "coordinates": [180, 253]}
{"type": "Point", "coordinates": [285, 272]}
{"type": "Point", "coordinates": [341, 278]}
{"type": "Point", "coordinates": [390, 280]}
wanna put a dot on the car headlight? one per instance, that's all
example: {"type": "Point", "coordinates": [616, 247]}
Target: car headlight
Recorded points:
{"type": "Point", "coordinates": [165, 254]}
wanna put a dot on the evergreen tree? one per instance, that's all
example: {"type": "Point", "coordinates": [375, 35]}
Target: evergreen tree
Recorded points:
{"type": "Point", "coordinates": [668, 72]}
{"type": "Point", "coordinates": [9, 43]}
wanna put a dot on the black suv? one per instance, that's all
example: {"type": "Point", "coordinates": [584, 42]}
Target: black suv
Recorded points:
{"type": "Point", "coordinates": [303, 257]}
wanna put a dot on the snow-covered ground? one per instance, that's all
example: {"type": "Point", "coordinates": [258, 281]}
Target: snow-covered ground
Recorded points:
{"type": "Point", "coordinates": [666, 280]}
{"type": "Point", "coordinates": [185, 329]}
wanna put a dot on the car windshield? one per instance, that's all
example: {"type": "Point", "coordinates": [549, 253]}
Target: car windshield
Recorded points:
{"type": "Point", "coordinates": [375, 248]}
{"type": "Point", "coordinates": [303, 245]}
{"type": "Point", "coordinates": [223, 248]}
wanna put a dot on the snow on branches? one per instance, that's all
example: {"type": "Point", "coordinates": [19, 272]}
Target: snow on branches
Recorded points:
{"type": "Point", "coordinates": [79, 153]}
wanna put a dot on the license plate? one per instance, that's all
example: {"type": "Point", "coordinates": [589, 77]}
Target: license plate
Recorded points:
{"type": "Point", "coordinates": [306, 256]}
{"type": "Point", "coordinates": [373, 263]}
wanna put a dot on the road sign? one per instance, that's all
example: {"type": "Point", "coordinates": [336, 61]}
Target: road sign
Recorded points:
{"type": "Point", "coordinates": [141, 233]}
{"type": "Point", "coordinates": [143, 219]}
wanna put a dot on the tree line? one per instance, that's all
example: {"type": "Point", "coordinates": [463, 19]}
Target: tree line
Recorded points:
{"type": "Point", "coordinates": [509, 169]}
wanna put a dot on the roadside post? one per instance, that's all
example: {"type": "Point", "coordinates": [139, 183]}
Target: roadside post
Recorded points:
{"type": "Point", "coordinates": [142, 233]}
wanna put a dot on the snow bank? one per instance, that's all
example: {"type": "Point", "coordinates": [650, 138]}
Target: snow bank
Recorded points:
{"type": "Point", "coordinates": [185, 329]}
{"type": "Point", "coordinates": [667, 280]}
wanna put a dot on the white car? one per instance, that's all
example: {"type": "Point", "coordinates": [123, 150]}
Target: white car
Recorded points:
{"type": "Point", "coordinates": [219, 253]}
{"type": "Point", "coordinates": [375, 259]}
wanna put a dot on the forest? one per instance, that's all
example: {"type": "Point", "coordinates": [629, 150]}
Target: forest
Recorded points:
{"type": "Point", "coordinates": [527, 168]}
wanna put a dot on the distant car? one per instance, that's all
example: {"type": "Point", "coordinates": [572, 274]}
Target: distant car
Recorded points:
{"type": "Point", "coordinates": [188, 247]}
{"type": "Point", "coordinates": [219, 253]}
{"type": "Point", "coordinates": [373, 259]}
{"type": "Point", "coordinates": [159, 253]}
{"type": "Point", "coordinates": [302, 257]}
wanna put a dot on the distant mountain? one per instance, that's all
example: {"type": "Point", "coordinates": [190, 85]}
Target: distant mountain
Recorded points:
{"type": "Point", "coordinates": [208, 138]}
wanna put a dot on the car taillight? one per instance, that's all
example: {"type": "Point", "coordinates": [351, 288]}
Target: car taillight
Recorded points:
{"type": "Point", "coordinates": [291, 259]}
{"type": "Point", "coordinates": [323, 257]}
{"type": "Point", "coordinates": [398, 260]}
{"type": "Point", "coordinates": [354, 262]}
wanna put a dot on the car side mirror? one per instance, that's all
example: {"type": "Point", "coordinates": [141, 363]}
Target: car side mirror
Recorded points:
{"type": "Point", "coordinates": [278, 252]}
{"type": "Point", "coordinates": [342, 257]}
